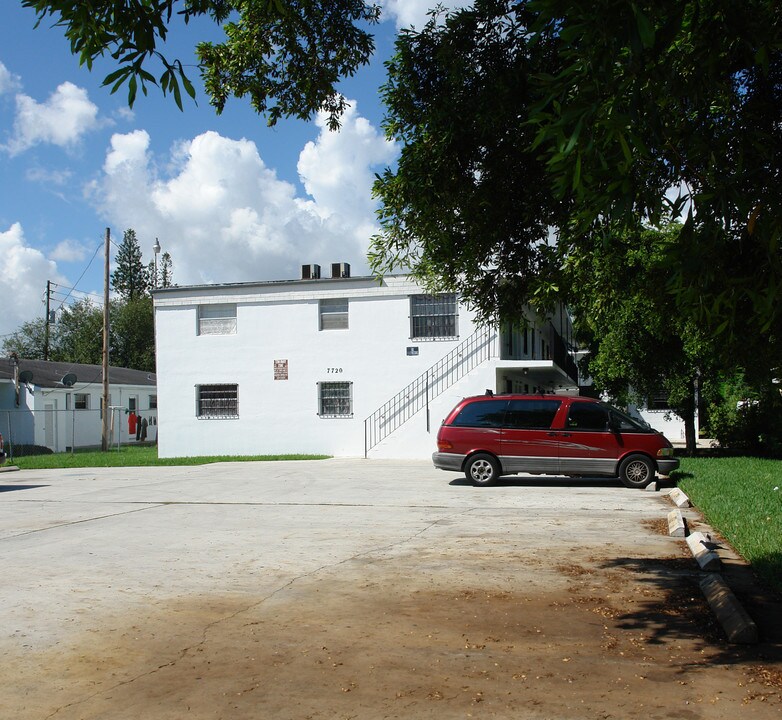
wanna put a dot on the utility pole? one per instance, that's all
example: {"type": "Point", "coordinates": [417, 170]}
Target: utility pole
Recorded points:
{"type": "Point", "coordinates": [46, 326]}
{"type": "Point", "coordinates": [104, 440]}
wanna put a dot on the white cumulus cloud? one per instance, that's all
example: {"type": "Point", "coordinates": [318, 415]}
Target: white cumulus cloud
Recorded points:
{"type": "Point", "coordinates": [66, 116]}
{"type": "Point", "coordinates": [414, 13]}
{"type": "Point", "coordinates": [337, 172]}
{"type": "Point", "coordinates": [23, 280]}
{"type": "Point", "coordinates": [69, 251]}
{"type": "Point", "coordinates": [225, 216]}
{"type": "Point", "coordinates": [8, 81]}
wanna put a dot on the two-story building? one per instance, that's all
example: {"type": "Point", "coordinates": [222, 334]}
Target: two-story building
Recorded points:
{"type": "Point", "coordinates": [345, 366]}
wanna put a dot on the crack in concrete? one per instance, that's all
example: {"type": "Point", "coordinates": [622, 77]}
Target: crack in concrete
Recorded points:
{"type": "Point", "coordinates": [81, 522]}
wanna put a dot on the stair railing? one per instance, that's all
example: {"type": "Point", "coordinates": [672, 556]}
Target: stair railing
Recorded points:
{"type": "Point", "coordinates": [475, 350]}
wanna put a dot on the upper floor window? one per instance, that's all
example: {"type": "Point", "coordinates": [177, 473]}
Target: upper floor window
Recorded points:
{"type": "Point", "coordinates": [658, 401]}
{"type": "Point", "coordinates": [334, 314]}
{"type": "Point", "coordinates": [217, 401]}
{"type": "Point", "coordinates": [217, 319]}
{"type": "Point", "coordinates": [434, 317]}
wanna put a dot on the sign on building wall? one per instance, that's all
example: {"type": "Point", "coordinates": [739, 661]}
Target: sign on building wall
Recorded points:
{"type": "Point", "coordinates": [280, 369]}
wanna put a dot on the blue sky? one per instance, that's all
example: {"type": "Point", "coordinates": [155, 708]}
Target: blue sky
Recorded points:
{"type": "Point", "coordinates": [229, 198]}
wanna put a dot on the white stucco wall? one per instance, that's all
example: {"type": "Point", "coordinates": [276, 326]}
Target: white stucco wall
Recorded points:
{"type": "Point", "coordinates": [281, 322]}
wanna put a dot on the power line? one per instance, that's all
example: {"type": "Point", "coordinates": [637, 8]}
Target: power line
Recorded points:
{"type": "Point", "coordinates": [84, 272]}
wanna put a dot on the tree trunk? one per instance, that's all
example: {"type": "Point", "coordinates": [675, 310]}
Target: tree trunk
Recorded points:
{"type": "Point", "coordinates": [690, 436]}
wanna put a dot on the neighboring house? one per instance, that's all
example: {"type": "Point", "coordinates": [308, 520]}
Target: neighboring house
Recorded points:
{"type": "Point", "coordinates": [656, 411]}
{"type": "Point", "coordinates": [658, 414]}
{"type": "Point", "coordinates": [60, 405]}
{"type": "Point", "coordinates": [345, 366]}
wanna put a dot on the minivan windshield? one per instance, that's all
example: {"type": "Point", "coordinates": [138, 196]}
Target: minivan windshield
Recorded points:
{"type": "Point", "coordinates": [624, 423]}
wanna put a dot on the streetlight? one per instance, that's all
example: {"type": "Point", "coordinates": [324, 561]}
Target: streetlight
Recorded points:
{"type": "Point", "coordinates": [156, 250]}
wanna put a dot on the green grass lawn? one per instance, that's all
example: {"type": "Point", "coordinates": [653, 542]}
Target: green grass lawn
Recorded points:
{"type": "Point", "coordinates": [133, 456]}
{"type": "Point", "coordinates": [741, 498]}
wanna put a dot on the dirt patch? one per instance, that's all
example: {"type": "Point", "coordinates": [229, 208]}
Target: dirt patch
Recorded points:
{"type": "Point", "coordinates": [657, 526]}
{"type": "Point", "coordinates": [592, 636]}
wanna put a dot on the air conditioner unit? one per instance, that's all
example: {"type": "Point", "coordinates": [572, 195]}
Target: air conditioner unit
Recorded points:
{"type": "Point", "coordinates": [310, 272]}
{"type": "Point", "coordinates": [340, 270]}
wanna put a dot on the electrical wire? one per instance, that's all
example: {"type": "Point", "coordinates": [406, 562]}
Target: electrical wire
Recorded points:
{"type": "Point", "coordinates": [82, 274]}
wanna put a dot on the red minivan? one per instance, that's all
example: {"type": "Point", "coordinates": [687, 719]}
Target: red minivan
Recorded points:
{"type": "Point", "coordinates": [488, 436]}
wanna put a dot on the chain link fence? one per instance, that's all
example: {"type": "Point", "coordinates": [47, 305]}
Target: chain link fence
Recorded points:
{"type": "Point", "coordinates": [28, 432]}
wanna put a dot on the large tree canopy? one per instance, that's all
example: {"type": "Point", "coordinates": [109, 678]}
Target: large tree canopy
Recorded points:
{"type": "Point", "coordinates": [666, 106]}
{"type": "Point", "coordinates": [574, 121]}
{"type": "Point", "coordinates": [285, 55]}
{"type": "Point", "coordinates": [468, 207]}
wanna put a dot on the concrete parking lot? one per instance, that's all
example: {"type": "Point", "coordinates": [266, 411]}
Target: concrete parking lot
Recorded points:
{"type": "Point", "coordinates": [354, 589]}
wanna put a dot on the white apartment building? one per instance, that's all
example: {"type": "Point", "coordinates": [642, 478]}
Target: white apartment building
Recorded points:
{"type": "Point", "coordinates": [344, 366]}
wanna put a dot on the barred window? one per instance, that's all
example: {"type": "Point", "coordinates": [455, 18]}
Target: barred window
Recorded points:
{"type": "Point", "coordinates": [217, 319]}
{"type": "Point", "coordinates": [335, 399]}
{"type": "Point", "coordinates": [217, 401]}
{"type": "Point", "coordinates": [658, 401]}
{"type": "Point", "coordinates": [334, 314]}
{"type": "Point", "coordinates": [435, 317]}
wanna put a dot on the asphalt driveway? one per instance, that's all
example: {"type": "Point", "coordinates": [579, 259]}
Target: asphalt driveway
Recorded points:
{"type": "Point", "coordinates": [353, 588]}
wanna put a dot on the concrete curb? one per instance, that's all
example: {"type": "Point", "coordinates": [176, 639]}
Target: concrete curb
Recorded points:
{"type": "Point", "coordinates": [8, 468]}
{"type": "Point", "coordinates": [736, 623]}
{"type": "Point", "coordinates": [738, 626]}
{"type": "Point", "coordinates": [676, 524]}
{"type": "Point", "coordinates": [702, 549]}
{"type": "Point", "coordinates": [679, 498]}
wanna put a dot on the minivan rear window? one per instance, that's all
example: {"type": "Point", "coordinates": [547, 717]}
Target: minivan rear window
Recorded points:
{"type": "Point", "coordinates": [531, 414]}
{"type": "Point", "coordinates": [487, 413]}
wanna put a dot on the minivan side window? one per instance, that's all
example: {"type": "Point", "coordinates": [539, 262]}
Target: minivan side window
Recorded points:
{"type": "Point", "coordinates": [587, 416]}
{"type": "Point", "coordinates": [488, 413]}
{"type": "Point", "coordinates": [624, 423]}
{"type": "Point", "coordinates": [531, 414]}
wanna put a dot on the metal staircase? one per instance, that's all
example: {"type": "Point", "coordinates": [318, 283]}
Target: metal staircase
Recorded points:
{"type": "Point", "coordinates": [475, 350]}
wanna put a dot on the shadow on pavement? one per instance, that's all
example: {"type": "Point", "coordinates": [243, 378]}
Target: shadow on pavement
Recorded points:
{"type": "Point", "coordinates": [10, 488]}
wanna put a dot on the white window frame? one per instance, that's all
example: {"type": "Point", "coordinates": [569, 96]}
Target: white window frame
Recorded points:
{"type": "Point", "coordinates": [434, 317]}
{"type": "Point", "coordinates": [333, 313]}
{"type": "Point", "coordinates": [217, 319]}
{"type": "Point", "coordinates": [335, 399]}
{"type": "Point", "coordinates": [81, 401]}
{"type": "Point", "coordinates": [217, 401]}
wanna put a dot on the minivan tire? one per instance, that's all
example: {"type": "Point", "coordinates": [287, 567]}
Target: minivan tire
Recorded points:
{"type": "Point", "coordinates": [482, 469]}
{"type": "Point", "coordinates": [636, 471]}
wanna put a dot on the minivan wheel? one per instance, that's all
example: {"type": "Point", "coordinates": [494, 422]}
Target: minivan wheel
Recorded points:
{"type": "Point", "coordinates": [482, 469]}
{"type": "Point", "coordinates": [636, 471]}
